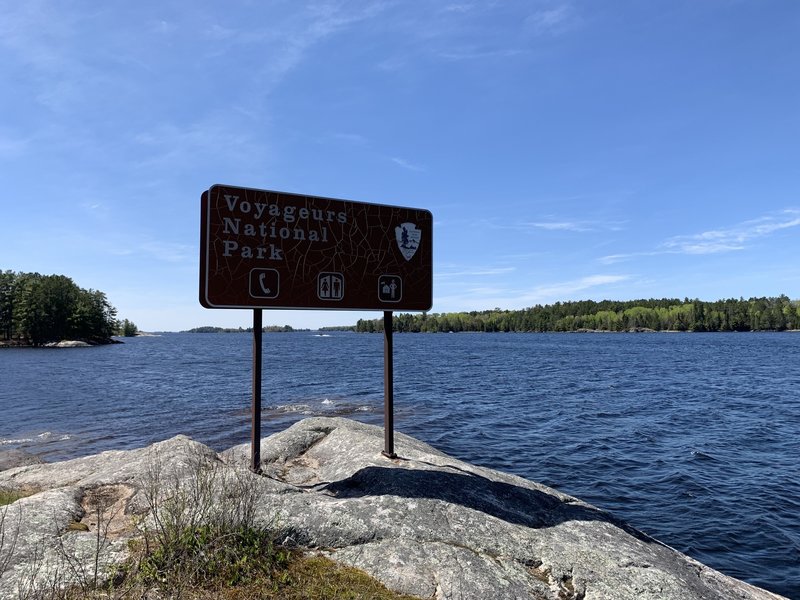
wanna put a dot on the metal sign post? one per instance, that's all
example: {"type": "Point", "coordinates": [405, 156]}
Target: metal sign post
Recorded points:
{"type": "Point", "coordinates": [255, 436]}
{"type": "Point", "coordinates": [388, 386]}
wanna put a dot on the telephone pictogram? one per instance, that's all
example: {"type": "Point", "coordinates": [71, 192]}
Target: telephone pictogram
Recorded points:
{"type": "Point", "coordinates": [262, 278]}
{"type": "Point", "coordinates": [264, 283]}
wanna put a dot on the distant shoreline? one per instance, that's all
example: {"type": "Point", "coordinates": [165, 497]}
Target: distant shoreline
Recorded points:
{"type": "Point", "coordinates": [91, 344]}
{"type": "Point", "coordinates": [587, 331]}
{"type": "Point", "coordinates": [61, 344]}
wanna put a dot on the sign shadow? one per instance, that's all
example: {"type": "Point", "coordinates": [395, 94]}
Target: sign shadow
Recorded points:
{"type": "Point", "coordinates": [514, 504]}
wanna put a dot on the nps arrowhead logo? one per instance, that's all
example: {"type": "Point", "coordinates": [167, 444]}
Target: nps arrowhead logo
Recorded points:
{"type": "Point", "coordinates": [408, 239]}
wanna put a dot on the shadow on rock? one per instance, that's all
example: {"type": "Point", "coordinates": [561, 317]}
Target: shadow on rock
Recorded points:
{"type": "Point", "coordinates": [511, 503]}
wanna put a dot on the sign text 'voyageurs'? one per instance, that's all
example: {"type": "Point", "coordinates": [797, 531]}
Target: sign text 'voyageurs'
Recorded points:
{"type": "Point", "coordinates": [266, 249]}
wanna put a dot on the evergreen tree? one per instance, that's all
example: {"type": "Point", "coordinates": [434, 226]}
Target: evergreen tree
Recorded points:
{"type": "Point", "coordinates": [37, 309]}
{"type": "Point", "coordinates": [666, 314]}
{"type": "Point", "coordinates": [128, 328]}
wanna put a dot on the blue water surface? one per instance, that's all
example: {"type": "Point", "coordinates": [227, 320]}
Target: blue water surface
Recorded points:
{"type": "Point", "coordinates": [693, 438]}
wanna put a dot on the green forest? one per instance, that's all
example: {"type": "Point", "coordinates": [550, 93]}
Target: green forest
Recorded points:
{"type": "Point", "coordinates": [266, 329]}
{"type": "Point", "coordinates": [37, 309]}
{"type": "Point", "coordinates": [755, 314]}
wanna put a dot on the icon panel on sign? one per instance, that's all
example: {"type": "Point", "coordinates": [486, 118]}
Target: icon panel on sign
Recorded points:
{"type": "Point", "coordinates": [264, 283]}
{"type": "Point", "coordinates": [330, 286]}
{"type": "Point", "coordinates": [390, 288]}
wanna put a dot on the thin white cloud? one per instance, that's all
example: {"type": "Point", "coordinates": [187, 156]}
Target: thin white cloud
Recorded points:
{"type": "Point", "coordinates": [350, 138]}
{"type": "Point", "coordinates": [734, 238]}
{"type": "Point", "coordinates": [60, 46]}
{"type": "Point", "coordinates": [553, 20]}
{"type": "Point", "coordinates": [474, 53]}
{"type": "Point", "coordinates": [35, 33]}
{"type": "Point", "coordinates": [393, 63]}
{"type": "Point", "coordinates": [458, 32]}
{"type": "Point", "coordinates": [213, 138]}
{"type": "Point", "coordinates": [288, 44]}
{"type": "Point", "coordinates": [716, 241]}
{"type": "Point", "coordinates": [567, 289]}
{"type": "Point", "coordinates": [462, 7]}
{"type": "Point", "coordinates": [163, 27]}
{"type": "Point", "coordinates": [61, 95]}
{"type": "Point", "coordinates": [405, 164]}
{"type": "Point", "coordinates": [523, 256]}
{"type": "Point", "coordinates": [485, 297]}
{"type": "Point", "coordinates": [151, 250]}
{"type": "Point", "coordinates": [59, 50]}
{"type": "Point", "coordinates": [556, 224]}
{"type": "Point", "coordinates": [612, 259]}
{"type": "Point", "coordinates": [81, 246]}
{"type": "Point", "coordinates": [476, 272]}
{"type": "Point", "coordinates": [94, 208]}
{"type": "Point", "coordinates": [168, 252]}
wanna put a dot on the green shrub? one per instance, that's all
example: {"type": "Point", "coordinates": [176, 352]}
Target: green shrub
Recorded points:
{"type": "Point", "coordinates": [9, 496]}
{"type": "Point", "coordinates": [208, 556]}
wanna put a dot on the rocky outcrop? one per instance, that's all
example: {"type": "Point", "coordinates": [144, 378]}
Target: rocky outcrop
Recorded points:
{"type": "Point", "coordinates": [424, 523]}
{"type": "Point", "coordinates": [62, 344]}
{"type": "Point", "coordinates": [17, 458]}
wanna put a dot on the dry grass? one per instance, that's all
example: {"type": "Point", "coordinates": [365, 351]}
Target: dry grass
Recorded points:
{"type": "Point", "coordinates": [312, 578]}
{"type": "Point", "coordinates": [10, 496]}
{"type": "Point", "coordinates": [301, 578]}
{"type": "Point", "coordinates": [319, 578]}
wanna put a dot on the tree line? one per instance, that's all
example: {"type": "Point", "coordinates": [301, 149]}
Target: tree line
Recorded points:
{"type": "Point", "coordinates": [265, 329]}
{"type": "Point", "coordinates": [36, 309]}
{"type": "Point", "coordinates": [667, 314]}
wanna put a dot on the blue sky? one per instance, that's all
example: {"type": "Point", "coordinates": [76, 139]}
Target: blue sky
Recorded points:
{"type": "Point", "coordinates": [567, 149]}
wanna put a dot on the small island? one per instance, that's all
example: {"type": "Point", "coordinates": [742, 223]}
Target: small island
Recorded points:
{"type": "Point", "coordinates": [267, 329]}
{"type": "Point", "coordinates": [52, 310]}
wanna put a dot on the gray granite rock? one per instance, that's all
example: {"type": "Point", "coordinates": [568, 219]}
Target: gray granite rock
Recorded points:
{"type": "Point", "coordinates": [433, 526]}
{"type": "Point", "coordinates": [17, 458]}
{"type": "Point", "coordinates": [69, 344]}
{"type": "Point", "coordinates": [50, 537]}
{"type": "Point", "coordinates": [424, 523]}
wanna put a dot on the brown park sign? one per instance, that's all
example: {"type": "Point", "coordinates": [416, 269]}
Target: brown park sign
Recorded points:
{"type": "Point", "coordinates": [266, 249]}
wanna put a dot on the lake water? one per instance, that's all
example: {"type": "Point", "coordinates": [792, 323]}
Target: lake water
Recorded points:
{"type": "Point", "coordinates": [693, 438]}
